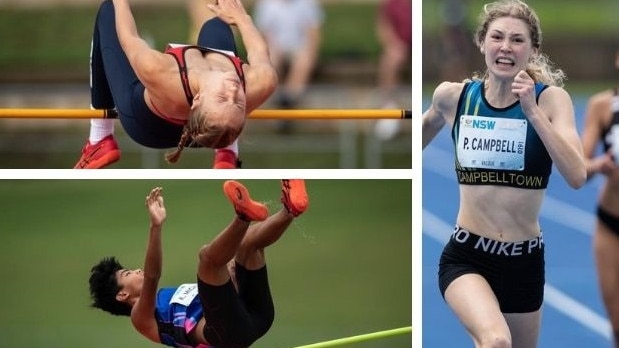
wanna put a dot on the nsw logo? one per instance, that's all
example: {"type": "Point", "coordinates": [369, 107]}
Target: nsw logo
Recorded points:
{"type": "Point", "coordinates": [484, 124]}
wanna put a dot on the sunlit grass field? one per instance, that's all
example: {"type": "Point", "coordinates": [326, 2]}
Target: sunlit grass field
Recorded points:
{"type": "Point", "coordinates": [342, 269]}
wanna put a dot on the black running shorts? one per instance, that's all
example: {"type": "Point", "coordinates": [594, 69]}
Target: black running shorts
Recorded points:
{"type": "Point", "coordinates": [514, 270]}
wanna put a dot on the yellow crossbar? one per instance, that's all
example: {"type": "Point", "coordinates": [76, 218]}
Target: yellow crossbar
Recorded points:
{"type": "Point", "coordinates": [263, 114]}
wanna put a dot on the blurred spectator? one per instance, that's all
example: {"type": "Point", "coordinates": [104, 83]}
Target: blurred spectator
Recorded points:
{"type": "Point", "coordinates": [394, 32]}
{"type": "Point", "coordinates": [456, 41]}
{"type": "Point", "coordinates": [293, 31]}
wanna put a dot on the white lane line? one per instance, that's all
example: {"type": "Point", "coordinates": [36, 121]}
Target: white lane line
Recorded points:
{"type": "Point", "coordinates": [577, 311]}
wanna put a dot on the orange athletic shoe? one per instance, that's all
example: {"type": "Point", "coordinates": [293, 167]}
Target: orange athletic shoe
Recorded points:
{"type": "Point", "coordinates": [294, 196]}
{"type": "Point", "coordinates": [226, 159]}
{"type": "Point", "coordinates": [99, 155]}
{"type": "Point", "coordinates": [246, 208]}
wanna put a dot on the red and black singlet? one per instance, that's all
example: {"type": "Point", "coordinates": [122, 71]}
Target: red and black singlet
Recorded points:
{"type": "Point", "coordinates": [178, 52]}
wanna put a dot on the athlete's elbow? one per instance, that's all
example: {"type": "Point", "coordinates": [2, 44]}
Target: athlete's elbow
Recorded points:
{"type": "Point", "coordinates": [578, 180]}
{"type": "Point", "coordinates": [579, 183]}
{"type": "Point", "coordinates": [269, 83]}
{"type": "Point", "coordinates": [271, 80]}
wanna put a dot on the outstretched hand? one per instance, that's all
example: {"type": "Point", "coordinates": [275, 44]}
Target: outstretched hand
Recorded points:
{"type": "Point", "coordinates": [156, 208]}
{"type": "Point", "coordinates": [230, 11]}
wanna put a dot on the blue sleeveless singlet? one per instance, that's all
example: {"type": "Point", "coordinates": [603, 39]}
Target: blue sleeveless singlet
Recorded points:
{"type": "Point", "coordinates": [497, 146]}
{"type": "Point", "coordinates": [177, 312]}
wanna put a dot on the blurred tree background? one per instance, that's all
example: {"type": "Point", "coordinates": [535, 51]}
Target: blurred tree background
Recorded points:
{"type": "Point", "coordinates": [42, 43]}
{"type": "Point", "coordinates": [52, 42]}
{"type": "Point", "coordinates": [581, 37]}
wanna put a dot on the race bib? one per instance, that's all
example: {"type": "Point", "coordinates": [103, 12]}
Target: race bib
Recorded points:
{"type": "Point", "coordinates": [185, 294]}
{"type": "Point", "coordinates": [491, 142]}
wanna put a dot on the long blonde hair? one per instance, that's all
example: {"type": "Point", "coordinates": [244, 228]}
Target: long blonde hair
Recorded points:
{"type": "Point", "coordinates": [540, 67]}
{"type": "Point", "coordinates": [199, 130]}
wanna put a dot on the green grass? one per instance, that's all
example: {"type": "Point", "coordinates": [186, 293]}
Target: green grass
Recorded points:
{"type": "Point", "coordinates": [342, 269]}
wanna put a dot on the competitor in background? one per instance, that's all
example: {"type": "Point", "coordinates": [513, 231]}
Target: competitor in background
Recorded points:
{"type": "Point", "coordinates": [293, 31]}
{"type": "Point", "coordinates": [602, 126]}
{"type": "Point", "coordinates": [394, 33]}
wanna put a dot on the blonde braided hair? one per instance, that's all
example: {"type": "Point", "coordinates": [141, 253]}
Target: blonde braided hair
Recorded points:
{"type": "Point", "coordinates": [204, 133]}
{"type": "Point", "coordinates": [173, 156]}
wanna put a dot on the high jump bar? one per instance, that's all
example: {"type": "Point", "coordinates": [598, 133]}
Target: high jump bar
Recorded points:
{"type": "Point", "coordinates": [359, 338]}
{"type": "Point", "coordinates": [263, 114]}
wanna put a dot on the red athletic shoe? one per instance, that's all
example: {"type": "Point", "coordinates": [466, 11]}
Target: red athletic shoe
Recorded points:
{"type": "Point", "coordinates": [99, 155]}
{"type": "Point", "coordinates": [294, 196]}
{"type": "Point", "coordinates": [226, 159]}
{"type": "Point", "coordinates": [246, 208]}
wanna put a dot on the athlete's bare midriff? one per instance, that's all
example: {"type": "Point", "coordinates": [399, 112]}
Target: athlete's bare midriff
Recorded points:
{"type": "Point", "coordinates": [499, 212]}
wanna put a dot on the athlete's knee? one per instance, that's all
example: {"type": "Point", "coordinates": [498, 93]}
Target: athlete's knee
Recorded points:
{"type": "Point", "coordinates": [207, 257]}
{"type": "Point", "coordinates": [215, 25]}
{"type": "Point", "coordinates": [215, 21]}
{"type": "Point", "coordinates": [396, 55]}
{"type": "Point", "coordinates": [249, 256]}
{"type": "Point", "coordinates": [106, 13]}
{"type": "Point", "coordinates": [107, 5]}
{"type": "Point", "coordinates": [496, 340]}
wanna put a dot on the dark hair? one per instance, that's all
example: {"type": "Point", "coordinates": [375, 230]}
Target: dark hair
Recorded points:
{"type": "Point", "coordinates": [104, 287]}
